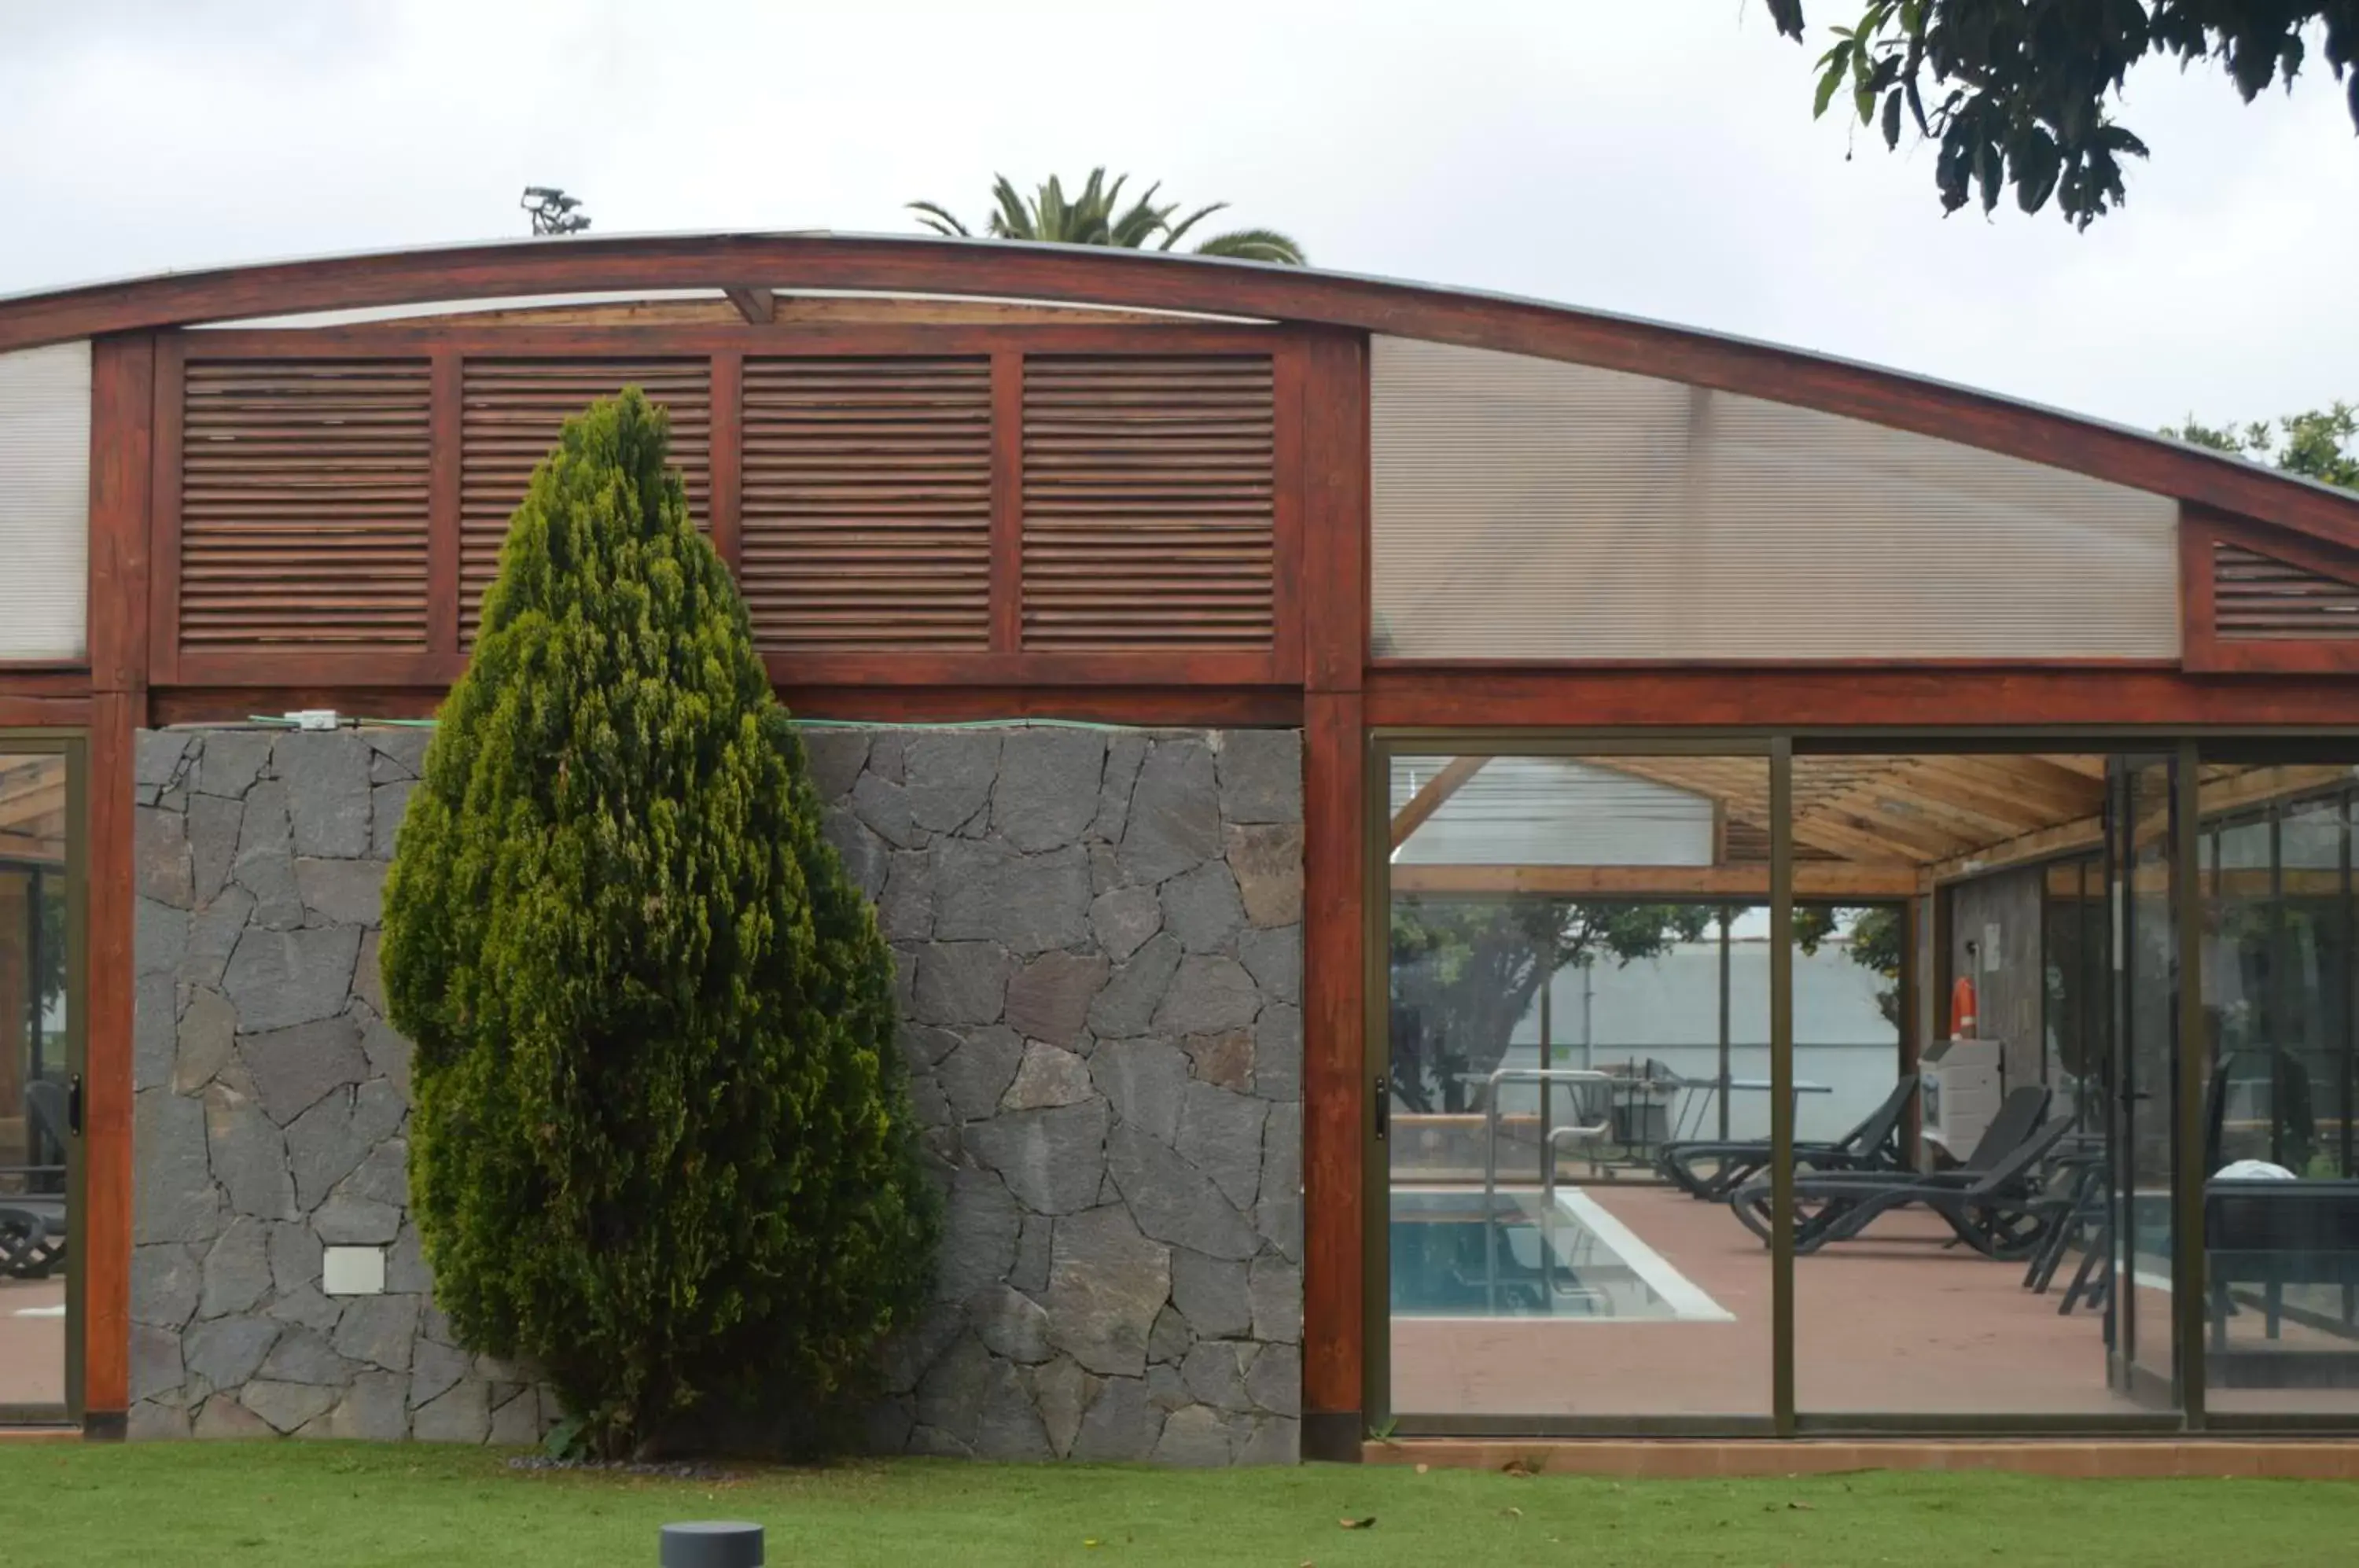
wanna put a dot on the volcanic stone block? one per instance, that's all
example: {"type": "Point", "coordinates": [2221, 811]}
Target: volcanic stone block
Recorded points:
{"type": "Point", "coordinates": [280, 978]}
{"type": "Point", "coordinates": [1212, 1293]}
{"type": "Point", "coordinates": [1193, 1438]}
{"type": "Point", "coordinates": [1202, 909]}
{"type": "Point", "coordinates": [294, 1068]}
{"type": "Point", "coordinates": [1128, 1004]}
{"type": "Point", "coordinates": [1261, 775]}
{"type": "Point", "coordinates": [1220, 1135]}
{"type": "Point", "coordinates": [1121, 1425]}
{"type": "Point", "coordinates": [979, 1235]}
{"type": "Point", "coordinates": [1047, 791]}
{"type": "Point", "coordinates": [1268, 862]}
{"type": "Point", "coordinates": [1206, 996]}
{"type": "Point", "coordinates": [1122, 918]}
{"type": "Point", "coordinates": [161, 868]}
{"type": "Point", "coordinates": [1172, 1200]}
{"type": "Point", "coordinates": [1028, 902]}
{"type": "Point", "coordinates": [948, 776]}
{"type": "Point", "coordinates": [1273, 956]}
{"type": "Point", "coordinates": [1048, 1076]}
{"type": "Point", "coordinates": [1061, 1391]}
{"type": "Point", "coordinates": [836, 756]}
{"type": "Point", "coordinates": [1174, 821]}
{"type": "Point", "coordinates": [1107, 1282]}
{"type": "Point", "coordinates": [233, 760]}
{"type": "Point", "coordinates": [961, 983]}
{"type": "Point", "coordinates": [247, 1154]}
{"type": "Point", "coordinates": [1144, 1080]}
{"type": "Point", "coordinates": [327, 779]}
{"type": "Point", "coordinates": [1124, 755]}
{"type": "Point", "coordinates": [1052, 1160]}
{"type": "Point", "coordinates": [174, 1199]}
{"type": "Point", "coordinates": [1049, 998]}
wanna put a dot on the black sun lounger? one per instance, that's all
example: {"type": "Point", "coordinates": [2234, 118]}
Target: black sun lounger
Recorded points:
{"type": "Point", "coordinates": [1872, 1144]}
{"type": "Point", "coordinates": [1990, 1202]}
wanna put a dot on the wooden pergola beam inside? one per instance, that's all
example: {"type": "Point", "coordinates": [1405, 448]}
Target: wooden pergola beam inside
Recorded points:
{"type": "Point", "coordinates": [757, 304]}
{"type": "Point", "coordinates": [1430, 797]}
{"type": "Point", "coordinates": [1868, 881]}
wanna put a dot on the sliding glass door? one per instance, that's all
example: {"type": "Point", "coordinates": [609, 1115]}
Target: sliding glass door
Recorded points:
{"type": "Point", "coordinates": [40, 1084]}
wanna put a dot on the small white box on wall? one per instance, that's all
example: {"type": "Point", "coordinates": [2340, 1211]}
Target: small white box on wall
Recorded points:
{"type": "Point", "coordinates": [353, 1270]}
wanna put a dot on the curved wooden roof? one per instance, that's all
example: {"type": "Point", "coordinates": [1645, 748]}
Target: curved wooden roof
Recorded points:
{"type": "Point", "coordinates": [1156, 281]}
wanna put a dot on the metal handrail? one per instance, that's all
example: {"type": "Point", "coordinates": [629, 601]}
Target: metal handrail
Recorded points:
{"type": "Point", "coordinates": [1548, 1138]}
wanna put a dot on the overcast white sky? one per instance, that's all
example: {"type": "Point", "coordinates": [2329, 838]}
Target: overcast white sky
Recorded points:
{"type": "Point", "coordinates": [1654, 157]}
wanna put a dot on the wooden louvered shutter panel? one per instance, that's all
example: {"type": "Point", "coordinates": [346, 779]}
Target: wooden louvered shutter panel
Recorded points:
{"type": "Point", "coordinates": [866, 519]}
{"type": "Point", "coordinates": [512, 411]}
{"type": "Point", "coordinates": [2256, 597]}
{"type": "Point", "coordinates": [1148, 502]}
{"type": "Point", "coordinates": [303, 503]}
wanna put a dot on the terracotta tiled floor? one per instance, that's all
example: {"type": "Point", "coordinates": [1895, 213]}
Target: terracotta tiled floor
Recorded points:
{"type": "Point", "coordinates": [32, 1348]}
{"type": "Point", "coordinates": [1891, 1323]}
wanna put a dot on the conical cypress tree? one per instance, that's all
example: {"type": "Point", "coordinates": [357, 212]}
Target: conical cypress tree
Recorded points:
{"type": "Point", "coordinates": [661, 1143]}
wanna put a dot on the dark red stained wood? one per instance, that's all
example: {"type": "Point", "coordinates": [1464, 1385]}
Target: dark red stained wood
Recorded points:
{"type": "Point", "coordinates": [164, 510]}
{"type": "Point", "coordinates": [36, 682]}
{"type": "Point", "coordinates": [755, 303]}
{"type": "Point", "coordinates": [1006, 501]}
{"type": "Point", "coordinates": [108, 1179]}
{"type": "Point", "coordinates": [1114, 667]}
{"type": "Point", "coordinates": [1334, 534]}
{"type": "Point", "coordinates": [1185, 706]}
{"type": "Point", "coordinates": [442, 503]}
{"type": "Point", "coordinates": [2087, 698]}
{"type": "Point", "coordinates": [2198, 639]}
{"type": "Point", "coordinates": [321, 669]}
{"type": "Point", "coordinates": [914, 340]}
{"type": "Point", "coordinates": [19, 711]}
{"type": "Point", "coordinates": [728, 454]}
{"type": "Point", "coordinates": [1101, 275]}
{"type": "Point", "coordinates": [1290, 371]}
{"type": "Point", "coordinates": [229, 704]}
{"type": "Point", "coordinates": [122, 400]}
{"type": "Point", "coordinates": [123, 392]}
{"type": "Point", "coordinates": [1336, 1055]}
{"type": "Point", "coordinates": [2203, 646]}
{"type": "Point", "coordinates": [1336, 1066]}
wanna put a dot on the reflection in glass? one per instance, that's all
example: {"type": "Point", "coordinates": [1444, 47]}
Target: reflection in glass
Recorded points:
{"type": "Point", "coordinates": [2281, 1208]}
{"type": "Point", "coordinates": [1571, 985]}
{"type": "Point", "coordinates": [34, 1076]}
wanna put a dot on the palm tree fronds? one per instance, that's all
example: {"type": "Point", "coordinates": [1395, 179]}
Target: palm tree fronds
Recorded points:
{"type": "Point", "coordinates": [1256, 244]}
{"type": "Point", "coordinates": [940, 219]}
{"type": "Point", "coordinates": [1095, 215]}
{"type": "Point", "coordinates": [1172, 234]}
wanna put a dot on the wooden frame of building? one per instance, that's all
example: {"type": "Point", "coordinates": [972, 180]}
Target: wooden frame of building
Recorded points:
{"type": "Point", "coordinates": [987, 592]}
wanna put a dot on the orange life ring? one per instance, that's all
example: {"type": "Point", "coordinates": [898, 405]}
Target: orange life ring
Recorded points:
{"type": "Point", "coordinates": [1963, 1022]}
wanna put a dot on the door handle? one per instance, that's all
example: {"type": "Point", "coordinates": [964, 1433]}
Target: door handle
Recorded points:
{"type": "Point", "coordinates": [1384, 1107]}
{"type": "Point", "coordinates": [73, 1105]}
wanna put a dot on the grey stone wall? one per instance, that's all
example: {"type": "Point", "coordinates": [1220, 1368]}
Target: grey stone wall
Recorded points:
{"type": "Point", "coordinates": [1100, 950]}
{"type": "Point", "coordinates": [271, 1101]}
{"type": "Point", "coordinates": [1099, 944]}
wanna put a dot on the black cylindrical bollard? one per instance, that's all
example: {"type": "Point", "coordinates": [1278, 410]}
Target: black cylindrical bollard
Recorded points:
{"type": "Point", "coordinates": [712, 1543]}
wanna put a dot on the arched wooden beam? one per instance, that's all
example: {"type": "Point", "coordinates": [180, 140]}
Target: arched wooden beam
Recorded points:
{"type": "Point", "coordinates": [1156, 281]}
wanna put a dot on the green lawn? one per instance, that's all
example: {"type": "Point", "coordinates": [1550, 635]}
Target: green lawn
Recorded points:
{"type": "Point", "coordinates": [318, 1506]}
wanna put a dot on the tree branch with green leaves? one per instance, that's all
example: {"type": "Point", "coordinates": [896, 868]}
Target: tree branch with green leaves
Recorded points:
{"type": "Point", "coordinates": [2020, 93]}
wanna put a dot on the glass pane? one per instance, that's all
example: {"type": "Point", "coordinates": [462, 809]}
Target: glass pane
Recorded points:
{"type": "Point", "coordinates": [1526, 508]}
{"type": "Point", "coordinates": [2281, 1209]}
{"type": "Point", "coordinates": [1940, 1228]}
{"type": "Point", "coordinates": [1576, 947]}
{"type": "Point", "coordinates": [33, 1079]}
{"type": "Point", "coordinates": [2146, 1060]}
